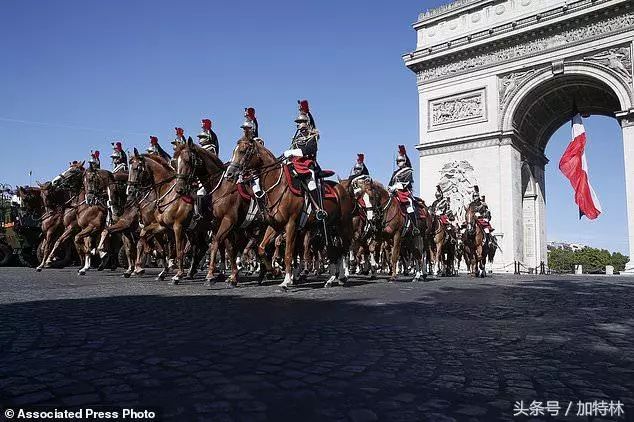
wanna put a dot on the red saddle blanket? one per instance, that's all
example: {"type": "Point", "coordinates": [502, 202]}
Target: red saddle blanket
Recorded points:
{"type": "Point", "coordinates": [485, 224]}
{"type": "Point", "coordinates": [328, 185]}
{"type": "Point", "coordinates": [403, 196]}
{"type": "Point", "coordinates": [302, 165]}
{"type": "Point", "coordinates": [444, 219]}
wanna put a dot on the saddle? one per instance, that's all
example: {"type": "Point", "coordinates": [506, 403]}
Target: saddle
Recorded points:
{"type": "Point", "coordinates": [296, 185]}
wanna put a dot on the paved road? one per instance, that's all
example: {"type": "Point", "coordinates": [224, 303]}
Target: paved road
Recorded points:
{"type": "Point", "coordinates": [450, 349]}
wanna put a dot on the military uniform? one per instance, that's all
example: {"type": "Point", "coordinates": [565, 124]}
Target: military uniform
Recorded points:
{"type": "Point", "coordinates": [208, 138]}
{"type": "Point", "coordinates": [180, 137]}
{"type": "Point", "coordinates": [119, 158]}
{"type": "Point", "coordinates": [251, 131]}
{"type": "Point", "coordinates": [94, 162]}
{"type": "Point", "coordinates": [155, 148]}
{"type": "Point", "coordinates": [358, 173]}
{"type": "Point", "coordinates": [401, 184]}
{"type": "Point", "coordinates": [303, 156]}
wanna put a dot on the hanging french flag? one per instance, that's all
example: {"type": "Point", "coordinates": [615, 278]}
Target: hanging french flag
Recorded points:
{"type": "Point", "coordinates": [574, 166]}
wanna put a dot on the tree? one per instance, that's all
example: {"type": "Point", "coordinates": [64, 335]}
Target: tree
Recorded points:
{"type": "Point", "coordinates": [592, 260]}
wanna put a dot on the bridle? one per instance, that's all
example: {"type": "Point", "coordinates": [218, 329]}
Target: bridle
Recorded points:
{"type": "Point", "coordinates": [189, 179]}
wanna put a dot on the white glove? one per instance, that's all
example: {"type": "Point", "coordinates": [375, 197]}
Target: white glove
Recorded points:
{"type": "Point", "coordinates": [398, 186]}
{"type": "Point", "coordinates": [293, 153]}
{"type": "Point", "coordinates": [391, 189]}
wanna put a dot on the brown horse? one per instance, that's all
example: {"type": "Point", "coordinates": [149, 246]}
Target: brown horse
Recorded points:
{"type": "Point", "coordinates": [441, 248]}
{"type": "Point", "coordinates": [172, 210]}
{"type": "Point", "coordinates": [391, 227]}
{"type": "Point", "coordinates": [475, 245]}
{"type": "Point", "coordinates": [283, 208]}
{"type": "Point", "coordinates": [229, 206]}
{"type": "Point", "coordinates": [61, 198]}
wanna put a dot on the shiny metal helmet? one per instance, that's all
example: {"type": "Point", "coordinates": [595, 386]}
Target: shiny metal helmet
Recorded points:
{"type": "Point", "coordinates": [439, 193]}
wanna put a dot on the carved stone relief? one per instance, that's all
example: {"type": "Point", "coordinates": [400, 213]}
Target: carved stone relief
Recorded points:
{"type": "Point", "coordinates": [509, 84]}
{"type": "Point", "coordinates": [618, 60]}
{"type": "Point", "coordinates": [562, 38]}
{"type": "Point", "coordinates": [459, 108]}
{"type": "Point", "coordinates": [457, 179]}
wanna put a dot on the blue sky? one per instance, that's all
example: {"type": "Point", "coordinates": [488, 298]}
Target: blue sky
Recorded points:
{"type": "Point", "coordinates": [78, 75]}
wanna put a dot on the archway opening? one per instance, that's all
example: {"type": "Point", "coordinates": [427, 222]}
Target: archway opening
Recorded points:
{"type": "Point", "coordinates": [541, 121]}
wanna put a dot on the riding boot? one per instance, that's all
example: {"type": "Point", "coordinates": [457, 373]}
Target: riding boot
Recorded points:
{"type": "Point", "coordinates": [315, 194]}
{"type": "Point", "coordinates": [198, 205]}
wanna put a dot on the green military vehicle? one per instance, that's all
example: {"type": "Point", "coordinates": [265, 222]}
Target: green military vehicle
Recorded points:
{"type": "Point", "coordinates": [19, 231]}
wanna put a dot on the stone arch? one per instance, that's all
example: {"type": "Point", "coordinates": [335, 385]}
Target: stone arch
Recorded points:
{"type": "Point", "coordinates": [543, 103]}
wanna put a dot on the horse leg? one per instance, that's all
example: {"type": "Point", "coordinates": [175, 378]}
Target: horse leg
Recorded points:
{"type": "Point", "coordinates": [83, 249]}
{"type": "Point", "coordinates": [396, 251]}
{"type": "Point", "coordinates": [268, 266]}
{"type": "Point", "coordinates": [129, 253]}
{"type": "Point", "coordinates": [179, 243]}
{"type": "Point", "coordinates": [289, 252]}
{"type": "Point", "coordinates": [48, 239]}
{"type": "Point", "coordinates": [68, 232]}
{"type": "Point", "coordinates": [233, 262]}
{"type": "Point", "coordinates": [221, 234]}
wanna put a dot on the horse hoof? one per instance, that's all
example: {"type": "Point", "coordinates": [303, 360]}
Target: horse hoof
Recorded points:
{"type": "Point", "coordinates": [343, 281]}
{"type": "Point", "coordinates": [174, 282]}
{"type": "Point", "coordinates": [139, 272]}
{"type": "Point", "coordinates": [126, 275]}
{"type": "Point", "coordinates": [392, 279]}
{"type": "Point", "coordinates": [81, 272]}
{"type": "Point", "coordinates": [38, 269]}
{"type": "Point", "coordinates": [209, 282]}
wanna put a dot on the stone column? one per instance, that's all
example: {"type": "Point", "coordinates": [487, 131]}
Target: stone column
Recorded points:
{"type": "Point", "coordinates": [627, 123]}
{"type": "Point", "coordinates": [509, 220]}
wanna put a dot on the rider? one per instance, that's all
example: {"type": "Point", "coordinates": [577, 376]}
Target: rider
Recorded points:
{"type": "Point", "coordinates": [401, 183]}
{"type": "Point", "coordinates": [250, 128]}
{"type": "Point", "coordinates": [155, 148]}
{"type": "Point", "coordinates": [441, 204]}
{"type": "Point", "coordinates": [303, 156]}
{"type": "Point", "coordinates": [208, 138]}
{"type": "Point", "coordinates": [180, 137]}
{"type": "Point", "coordinates": [119, 158]}
{"type": "Point", "coordinates": [94, 162]}
{"type": "Point", "coordinates": [360, 172]}
{"type": "Point", "coordinates": [481, 209]}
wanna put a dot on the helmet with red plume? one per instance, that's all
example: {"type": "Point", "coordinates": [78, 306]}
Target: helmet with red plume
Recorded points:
{"type": "Point", "coordinates": [153, 140]}
{"type": "Point", "coordinates": [206, 124]}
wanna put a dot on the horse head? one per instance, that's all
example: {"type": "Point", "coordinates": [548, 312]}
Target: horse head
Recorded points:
{"type": "Point", "coordinates": [71, 177]}
{"type": "Point", "coordinates": [470, 220]}
{"type": "Point", "coordinates": [137, 173]}
{"type": "Point", "coordinates": [249, 154]}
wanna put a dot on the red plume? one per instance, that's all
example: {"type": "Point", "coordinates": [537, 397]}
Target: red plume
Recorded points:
{"type": "Point", "coordinates": [303, 106]}
{"type": "Point", "coordinates": [360, 158]}
{"type": "Point", "coordinates": [250, 113]}
{"type": "Point", "coordinates": [401, 150]}
{"type": "Point", "coordinates": [153, 140]}
{"type": "Point", "coordinates": [179, 132]}
{"type": "Point", "coordinates": [206, 124]}
{"type": "Point", "coordinates": [118, 146]}
{"type": "Point", "coordinates": [96, 154]}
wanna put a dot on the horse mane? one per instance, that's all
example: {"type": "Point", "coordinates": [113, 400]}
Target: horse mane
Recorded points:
{"type": "Point", "coordinates": [158, 160]}
{"type": "Point", "coordinates": [201, 151]}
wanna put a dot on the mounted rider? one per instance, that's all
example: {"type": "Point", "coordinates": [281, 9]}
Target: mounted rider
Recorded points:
{"type": "Point", "coordinates": [441, 204]}
{"type": "Point", "coordinates": [208, 138]}
{"type": "Point", "coordinates": [94, 163]}
{"type": "Point", "coordinates": [155, 148]}
{"type": "Point", "coordinates": [401, 185]}
{"type": "Point", "coordinates": [119, 158]}
{"type": "Point", "coordinates": [481, 209]}
{"type": "Point", "coordinates": [251, 131]}
{"type": "Point", "coordinates": [359, 173]}
{"type": "Point", "coordinates": [303, 157]}
{"type": "Point", "coordinates": [180, 137]}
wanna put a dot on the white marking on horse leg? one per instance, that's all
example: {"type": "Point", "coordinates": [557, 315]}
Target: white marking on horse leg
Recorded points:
{"type": "Point", "coordinates": [288, 281]}
{"type": "Point", "coordinates": [330, 281]}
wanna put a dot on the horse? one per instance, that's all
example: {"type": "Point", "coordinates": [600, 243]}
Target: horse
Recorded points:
{"type": "Point", "coordinates": [93, 212]}
{"type": "Point", "coordinates": [391, 226]}
{"type": "Point", "coordinates": [61, 198]}
{"type": "Point", "coordinates": [172, 210]}
{"type": "Point", "coordinates": [284, 206]}
{"type": "Point", "coordinates": [230, 202]}
{"type": "Point", "coordinates": [441, 247]}
{"type": "Point", "coordinates": [475, 244]}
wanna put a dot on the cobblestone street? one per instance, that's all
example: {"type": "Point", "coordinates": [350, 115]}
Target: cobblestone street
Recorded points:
{"type": "Point", "coordinates": [447, 349]}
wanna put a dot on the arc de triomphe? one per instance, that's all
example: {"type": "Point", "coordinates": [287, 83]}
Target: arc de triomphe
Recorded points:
{"type": "Point", "coordinates": [496, 78]}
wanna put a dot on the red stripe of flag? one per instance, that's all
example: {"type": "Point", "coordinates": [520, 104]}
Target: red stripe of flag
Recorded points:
{"type": "Point", "coordinates": [574, 166]}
